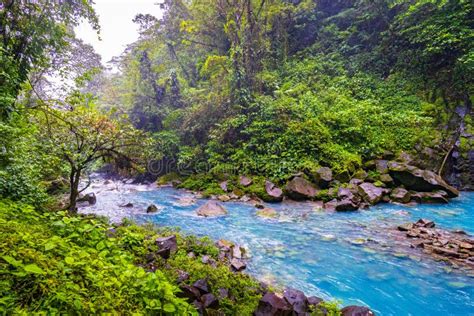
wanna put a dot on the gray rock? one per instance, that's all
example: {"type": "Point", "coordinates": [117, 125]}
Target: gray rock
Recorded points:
{"type": "Point", "coordinates": [152, 208]}
{"type": "Point", "coordinates": [370, 193]}
{"type": "Point", "coordinates": [416, 179]}
{"type": "Point", "coordinates": [299, 189]}
{"type": "Point", "coordinates": [400, 195]}
{"type": "Point", "coordinates": [275, 193]}
{"type": "Point", "coordinates": [211, 208]}
{"type": "Point", "coordinates": [245, 181]}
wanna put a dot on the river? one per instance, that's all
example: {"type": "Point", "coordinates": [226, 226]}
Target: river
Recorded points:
{"type": "Point", "coordinates": [350, 257]}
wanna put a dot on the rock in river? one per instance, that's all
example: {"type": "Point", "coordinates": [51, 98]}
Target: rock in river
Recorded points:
{"type": "Point", "coordinates": [211, 208]}
{"type": "Point", "coordinates": [356, 311]}
{"type": "Point", "coordinates": [420, 180]}
{"type": "Point", "coordinates": [267, 212]}
{"type": "Point", "coordinates": [400, 195]}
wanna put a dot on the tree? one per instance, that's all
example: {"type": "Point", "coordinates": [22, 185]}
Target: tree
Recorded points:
{"type": "Point", "coordinates": [30, 33]}
{"type": "Point", "coordinates": [82, 136]}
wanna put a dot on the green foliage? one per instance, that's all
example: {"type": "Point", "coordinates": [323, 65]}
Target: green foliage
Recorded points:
{"type": "Point", "coordinates": [54, 263]}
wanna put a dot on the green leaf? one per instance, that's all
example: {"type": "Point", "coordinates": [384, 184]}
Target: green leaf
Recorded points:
{"type": "Point", "coordinates": [169, 308]}
{"type": "Point", "coordinates": [12, 261]}
{"type": "Point", "coordinates": [33, 268]}
{"type": "Point", "coordinates": [69, 260]}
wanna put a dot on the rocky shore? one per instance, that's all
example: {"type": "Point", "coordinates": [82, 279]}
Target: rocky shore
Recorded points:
{"type": "Point", "coordinates": [290, 302]}
{"type": "Point", "coordinates": [453, 247]}
{"type": "Point", "coordinates": [384, 181]}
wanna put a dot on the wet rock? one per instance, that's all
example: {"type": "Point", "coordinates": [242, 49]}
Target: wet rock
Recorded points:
{"type": "Point", "coordinates": [166, 245]}
{"type": "Point", "coordinates": [223, 185]}
{"type": "Point", "coordinates": [237, 252]}
{"type": "Point", "coordinates": [223, 198]}
{"type": "Point", "coordinates": [209, 301]}
{"type": "Point", "coordinates": [275, 194]}
{"type": "Point", "coordinates": [297, 300]}
{"type": "Point", "coordinates": [331, 205]}
{"type": "Point", "coordinates": [356, 311]}
{"type": "Point", "coordinates": [271, 304]}
{"type": "Point", "coordinates": [267, 212]}
{"type": "Point", "coordinates": [416, 179]}
{"type": "Point", "coordinates": [89, 198]}
{"type": "Point", "coordinates": [405, 227]}
{"type": "Point", "coordinates": [322, 177]}
{"type": "Point", "coordinates": [245, 181]}
{"type": "Point", "coordinates": [400, 195]}
{"type": "Point", "coordinates": [152, 208]}
{"type": "Point", "coordinates": [237, 264]}
{"type": "Point", "coordinates": [314, 300]}
{"type": "Point", "coordinates": [370, 193]}
{"type": "Point", "coordinates": [211, 208]}
{"type": "Point", "coordinates": [203, 286]}
{"type": "Point", "coordinates": [128, 205]}
{"type": "Point", "coordinates": [438, 197]}
{"type": "Point", "coordinates": [346, 205]}
{"type": "Point", "coordinates": [425, 223]}
{"type": "Point", "coordinates": [299, 189]}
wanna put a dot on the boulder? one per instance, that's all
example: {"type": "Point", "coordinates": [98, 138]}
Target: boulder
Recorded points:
{"type": "Point", "coordinates": [237, 264]}
{"type": "Point", "coordinates": [274, 193]}
{"type": "Point", "coordinates": [166, 245]}
{"type": "Point", "coordinates": [209, 301]}
{"type": "Point", "coordinates": [405, 227]}
{"type": "Point", "coordinates": [297, 300]}
{"type": "Point", "coordinates": [420, 180]}
{"type": "Point", "coordinates": [127, 205]}
{"type": "Point", "coordinates": [356, 311]}
{"type": "Point", "coordinates": [152, 208]}
{"type": "Point", "coordinates": [361, 174]}
{"type": "Point", "coordinates": [381, 166]}
{"type": "Point", "coordinates": [331, 205]}
{"type": "Point", "coordinates": [422, 222]}
{"type": "Point", "coordinates": [370, 193]}
{"type": "Point", "coordinates": [299, 189]}
{"type": "Point", "coordinates": [322, 177]}
{"type": "Point", "coordinates": [211, 208]}
{"type": "Point", "coordinates": [203, 286]}
{"type": "Point", "coordinates": [223, 198]}
{"type": "Point", "coordinates": [387, 179]}
{"type": "Point", "coordinates": [89, 198]}
{"type": "Point", "coordinates": [438, 197]}
{"type": "Point", "coordinates": [271, 304]}
{"type": "Point", "coordinates": [245, 181]}
{"type": "Point", "coordinates": [223, 186]}
{"type": "Point", "coordinates": [189, 292]}
{"type": "Point", "coordinates": [346, 205]}
{"type": "Point", "coordinates": [400, 195]}
{"type": "Point", "coordinates": [314, 300]}
{"type": "Point", "coordinates": [267, 212]}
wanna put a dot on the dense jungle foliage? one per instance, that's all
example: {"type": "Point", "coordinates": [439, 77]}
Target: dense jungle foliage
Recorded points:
{"type": "Point", "coordinates": [274, 87]}
{"type": "Point", "coordinates": [262, 87]}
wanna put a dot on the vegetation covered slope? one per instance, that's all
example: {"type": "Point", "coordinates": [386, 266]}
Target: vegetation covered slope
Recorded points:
{"type": "Point", "coordinates": [51, 262]}
{"type": "Point", "coordinates": [272, 87]}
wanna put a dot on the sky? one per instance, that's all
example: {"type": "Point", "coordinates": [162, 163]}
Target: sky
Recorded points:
{"type": "Point", "coordinates": [117, 28]}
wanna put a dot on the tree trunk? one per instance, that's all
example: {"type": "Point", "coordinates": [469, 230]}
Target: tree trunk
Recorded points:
{"type": "Point", "coordinates": [74, 178]}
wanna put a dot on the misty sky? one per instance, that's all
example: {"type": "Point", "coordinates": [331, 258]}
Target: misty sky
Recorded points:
{"type": "Point", "coordinates": [117, 28]}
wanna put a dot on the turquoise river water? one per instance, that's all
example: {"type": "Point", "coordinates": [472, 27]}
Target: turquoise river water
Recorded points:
{"type": "Point", "coordinates": [349, 257]}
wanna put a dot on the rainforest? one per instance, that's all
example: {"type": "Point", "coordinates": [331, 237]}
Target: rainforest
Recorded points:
{"type": "Point", "coordinates": [237, 157]}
